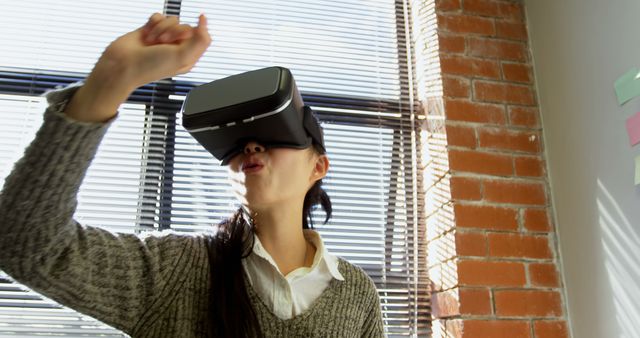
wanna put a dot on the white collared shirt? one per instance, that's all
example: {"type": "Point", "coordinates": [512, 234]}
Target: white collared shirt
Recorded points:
{"type": "Point", "coordinates": [290, 295]}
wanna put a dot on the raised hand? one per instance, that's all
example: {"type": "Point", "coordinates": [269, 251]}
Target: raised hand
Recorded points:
{"type": "Point", "coordinates": [159, 49]}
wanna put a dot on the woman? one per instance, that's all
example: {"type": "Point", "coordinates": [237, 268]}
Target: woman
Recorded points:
{"type": "Point", "coordinates": [265, 272]}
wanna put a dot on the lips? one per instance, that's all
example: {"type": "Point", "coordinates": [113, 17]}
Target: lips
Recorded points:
{"type": "Point", "coordinates": [252, 164]}
{"type": "Point", "coordinates": [252, 169]}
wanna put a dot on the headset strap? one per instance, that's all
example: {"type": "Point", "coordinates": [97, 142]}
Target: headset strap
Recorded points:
{"type": "Point", "coordinates": [312, 126]}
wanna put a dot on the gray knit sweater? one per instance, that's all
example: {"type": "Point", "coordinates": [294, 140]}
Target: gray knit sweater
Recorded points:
{"type": "Point", "coordinates": [147, 286]}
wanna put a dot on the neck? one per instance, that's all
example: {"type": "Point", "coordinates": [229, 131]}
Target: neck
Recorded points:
{"type": "Point", "coordinates": [279, 229]}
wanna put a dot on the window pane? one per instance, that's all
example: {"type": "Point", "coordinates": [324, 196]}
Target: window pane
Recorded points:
{"type": "Point", "coordinates": [346, 48]}
{"type": "Point", "coordinates": [21, 116]}
{"type": "Point", "coordinates": [66, 35]}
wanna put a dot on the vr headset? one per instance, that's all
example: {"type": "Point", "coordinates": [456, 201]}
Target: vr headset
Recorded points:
{"type": "Point", "coordinates": [262, 105]}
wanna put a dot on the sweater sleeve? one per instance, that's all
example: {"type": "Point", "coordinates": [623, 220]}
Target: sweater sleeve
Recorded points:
{"type": "Point", "coordinates": [116, 278]}
{"type": "Point", "coordinates": [373, 325]}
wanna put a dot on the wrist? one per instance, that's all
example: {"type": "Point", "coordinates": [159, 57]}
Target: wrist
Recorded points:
{"type": "Point", "coordinates": [108, 86]}
{"type": "Point", "coordinates": [97, 100]}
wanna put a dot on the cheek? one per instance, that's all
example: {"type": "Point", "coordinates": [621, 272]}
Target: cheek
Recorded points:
{"type": "Point", "coordinates": [289, 166]}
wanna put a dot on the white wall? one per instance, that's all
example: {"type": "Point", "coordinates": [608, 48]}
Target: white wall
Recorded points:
{"type": "Point", "coordinates": [580, 47]}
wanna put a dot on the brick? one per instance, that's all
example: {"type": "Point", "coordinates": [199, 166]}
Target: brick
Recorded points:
{"type": "Point", "coordinates": [544, 275]}
{"type": "Point", "coordinates": [440, 275]}
{"type": "Point", "coordinates": [461, 136]}
{"type": "Point", "coordinates": [485, 217]}
{"type": "Point", "coordinates": [511, 11]}
{"type": "Point", "coordinates": [517, 245]}
{"type": "Point", "coordinates": [475, 301]}
{"type": "Point", "coordinates": [451, 327]}
{"type": "Point", "coordinates": [472, 67]}
{"type": "Point", "coordinates": [496, 329]}
{"type": "Point", "coordinates": [498, 9]}
{"type": "Point", "coordinates": [466, 24]}
{"type": "Point", "coordinates": [486, 273]}
{"type": "Point", "coordinates": [527, 303]}
{"type": "Point", "coordinates": [508, 139]}
{"type": "Point", "coordinates": [537, 220]}
{"type": "Point", "coordinates": [482, 7]}
{"type": "Point", "coordinates": [503, 93]}
{"type": "Point", "coordinates": [480, 162]}
{"type": "Point", "coordinates": [498, 49]}
{"type": "Point", "coordinates": [447, 5]}
{"type": "Point", "coordinates": [445, 304]}
{"type": "Point", "coordinates": [451, 43]}
{"type": "Point", "coordinates": [515, 192]}
{"type": "Point", "coordinates": [550, 329]}
{"type": "Point", "coordinates": [464, 188]}
{"type": "Point", "coordinates": [524, 116]}
{"type": "Point", "coordinates": [528, 166]}
{"type": "Point", "coordinates": [465, 110]}
{"type": "Point", "coordinates": [517, 72]}
{"type": "Point", "coordinates": [456, 86]}
{"type": "Point", "coordinates": [471, 243]}
{"type": "Point", "coordinates": [441, 249]}
{"type": "Point", "coordinates": [511, 30]}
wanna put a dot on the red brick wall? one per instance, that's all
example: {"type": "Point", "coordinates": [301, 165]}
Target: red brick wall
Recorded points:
{"type": "Point", "coordinates": [492, 250]}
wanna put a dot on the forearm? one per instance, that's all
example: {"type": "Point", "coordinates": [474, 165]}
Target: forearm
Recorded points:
{"type": "Point", "coordinates": [98, 99]}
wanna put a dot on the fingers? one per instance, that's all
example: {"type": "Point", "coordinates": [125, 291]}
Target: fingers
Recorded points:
{"type": "Point", "coordinates": [202, 26]}
{"type": "Point", "coordinates": [189, 43]}
{"type": "Point", "coordinates": [190, 50]}
{"type": "Point", "coordinates": [174, 33]}
{"type": "Point", "coordinates": [153, 20]}
{"type": "Point", "coordinates": [160, 27]}
{"type": "Point", "coordinates": [201, 32]}
{"type": "Point", "coordinates": [200, 40]}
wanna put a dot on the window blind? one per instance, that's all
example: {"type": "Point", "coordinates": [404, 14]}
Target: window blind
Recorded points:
{"type": "Point", "coordinates": [350, 61]}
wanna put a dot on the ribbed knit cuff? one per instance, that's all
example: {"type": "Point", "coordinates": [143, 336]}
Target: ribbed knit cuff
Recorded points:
{"type": "Point", "coordinates": [58, 100]}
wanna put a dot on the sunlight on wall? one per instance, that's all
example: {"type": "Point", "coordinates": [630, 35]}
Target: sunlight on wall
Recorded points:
{"type": "Point", "coordinates": [440, 225]}
{"type": "Point", "coordinates": [621, 246]}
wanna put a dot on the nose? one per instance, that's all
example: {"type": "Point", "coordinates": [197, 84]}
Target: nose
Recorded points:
{"type": "Point", "coordinates": [253, 147]}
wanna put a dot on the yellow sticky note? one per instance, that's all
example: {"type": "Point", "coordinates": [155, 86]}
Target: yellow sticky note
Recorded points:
{"type": "Point", "coordinates": [637, 170]}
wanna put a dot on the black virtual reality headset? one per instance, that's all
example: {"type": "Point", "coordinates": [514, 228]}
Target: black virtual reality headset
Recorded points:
{"type": "Point", "coordinates": [261, 105]}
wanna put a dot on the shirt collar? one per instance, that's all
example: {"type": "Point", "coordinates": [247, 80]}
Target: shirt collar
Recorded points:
{"type": "Point", "coordinates": [322, 256]}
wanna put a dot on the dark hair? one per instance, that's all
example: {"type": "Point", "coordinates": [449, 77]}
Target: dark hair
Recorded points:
{"type": "Point", "coordinates": [231, 312]}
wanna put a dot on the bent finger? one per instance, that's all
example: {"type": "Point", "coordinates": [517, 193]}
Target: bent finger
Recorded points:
{"type": "Point", "coordinates": [161, 27]}
{"type": "Point", "coordinates": [153, 20]}
{"type": "Point", "coordinates": [176, 33]}
{"type": "Point", "coordinates": [194, 47]}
